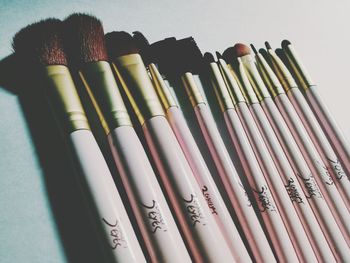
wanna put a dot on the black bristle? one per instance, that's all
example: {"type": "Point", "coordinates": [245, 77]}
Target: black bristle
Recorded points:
{"type": "Point", "coordinates": [190, 56]}
{"type": "Point", "coordinates": [285, 43]}
{"type": "Point", "coordinates": [41, 43]}
{"type": "Point", "coordinates": [229, 54]}
{"type": "Point", "coordinates": [120, 43]}
{"type": "Point", "coordinates": [144, 46]}
{"type": "Point", "coordinates": [84, 39]}
{"type": "Point", "coordinates": [208, 57]}
{"type": "Point", "coordinates": [254, 49]}
{"type": "Point", "coordinates": [218, 55]}
{"type": "Point", "coordinates": [267, 45]}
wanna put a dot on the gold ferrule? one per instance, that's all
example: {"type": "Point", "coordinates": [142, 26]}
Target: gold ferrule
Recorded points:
{"type": "Point", "coordinates": [231, 82]}
{"type": "Point", "coordinates": [298, 68]}
{"type": "Point", "coordinates": [246, 86]}
{"type": "Point", "coordinates": [193, 92]}
{"type": "Point", "coordinates": [270, 78]}
{"type": "Point", "coordinates": [162, 89]}
{"type": "Point", "coordinates": [220, 88]}
{"type": "Point", "coordinates": [104, 92]}
{"type": "Point", "coordinates": [65, 98]}
{"type": "Point", "coordinates": [282, 73]}
{"type": "Point", "coordinates": [138, 86]}
{"type": "Point", "coordinates": [255, 79]}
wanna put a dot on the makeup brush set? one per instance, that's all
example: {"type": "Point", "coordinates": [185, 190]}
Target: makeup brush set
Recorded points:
{"type": "Point", "coordinates": [290, 202]}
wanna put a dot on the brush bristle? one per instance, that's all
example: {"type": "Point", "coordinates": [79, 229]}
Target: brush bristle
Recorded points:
{"type": "Point", "coordinates": [218, 55]}
{"type": "Point", "coordinates": [144, 46]}
{"type": "Point", "coordinates": [84, 39]}
{"type": "Point", "coordinates": [164, 55]}
{"type": "Point", "coordinates": [254, 49]}
{"type": "Point", "coordinates": [229, 54]}
{"type": "Point", "coordinates": [241, 50]}
{"type": "Point", "coordinates": [285, 43]}
{"type": "Point", "coordinates": [267, 45]}
{"type": "Point", "coordinates": [208, 57]}
{"type": "Point", "coordinates": [41, 43]}
{"type": "Point", "coordinates": [190, 58]}
{"type": "Point", "coordinates": [120, 43]}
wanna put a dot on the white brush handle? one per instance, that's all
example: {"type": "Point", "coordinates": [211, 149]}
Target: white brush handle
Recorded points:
{"type": "Point", "coordinates": [313, 159]}
{"type": "Point", "coordinates": [105, 197]}
{"type": "Point", "coordinates": [200, 229]}
{"type": "Point", "coordinates": [266, 203]}
{"type": "Point", "coordinates": [272, 176]}
{"type": "Point", "coordinates": [339, 142]}
{"type": "Point", "coordinates": [304, 175]}
{"type": "Point", "coordinates": [158, 228]}
{"type": "Point", "coordinates": [209, 189]}
{"type": "Point", "coordinates": [304, 227]}
{"type": "Point", "coordinates": [322, 144]}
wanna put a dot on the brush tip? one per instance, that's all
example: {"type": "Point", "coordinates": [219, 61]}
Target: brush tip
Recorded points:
{"type": "Point", "coordinates": [218, 55]}
{"type": "Point", "coordinates": [121, 43]}
{"type": "Point", "coordinates": [254, 49]}
{"type": "Point", "coordinates": [241, 49]}
{"type": "Point", "coordinates": [41, 43]}
{"type": "Point", "coordinates": [267, 45]}
{"type": "Point", "coordinates": [285, 43]}
{"type": "Point", "coordinates": [84, 39]}
{"type": "Point", "coordinates": [208, 57]}
{"type": "Point", "coordinates": [144, 46]}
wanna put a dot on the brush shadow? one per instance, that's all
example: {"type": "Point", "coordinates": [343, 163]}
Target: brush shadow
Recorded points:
{"type": "Point", "coordinates": [71, 216]}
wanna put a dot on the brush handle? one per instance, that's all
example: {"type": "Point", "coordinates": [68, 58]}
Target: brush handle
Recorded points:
{"type": "Point", "coordinates": [322, 144]}
{"type": "Point", "coordinates": [271, 217]}
{"type": "Point", "coordinates": [199, 227]}
{"type": "Point", "coordinates": [100, 187]}
{"type": "Point", "coordinates": [336, 137]}
{"type": "Point", "coordinates": [273, 177]}
{"type": "Point", "coordinates": [209, 189]}
{"type": "Point", "coordinates": [306, 233]}
{"type": "Point", "coordinates": [158, 228]}
{"type": "Point", "coordinates": [322, 215]}
{"type": "Point", "coordinates": [313, 159]}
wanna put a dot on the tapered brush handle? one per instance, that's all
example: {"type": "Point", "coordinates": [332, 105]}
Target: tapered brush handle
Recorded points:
{"type": "Point", "coordinates": [336, 137]}
{"type": "Point", "coordinates": [209, 189]}
{"type": "Point", "coordinates": [158, 228]}
{"type": "Point", "coordinates": [99, 185]}
{"type": "Point", "coordinates": [322, 216]}
{"type": "Point", "coordinates": [271, 217]}
{"type": "Point", "coordinates": [313, 159]}
{"type": "Point", "coordinates": [202, 234]}
{"type": "Point", "coordinates": [322, 144]}
{"type": "Point", "coordinates": [301, 220]}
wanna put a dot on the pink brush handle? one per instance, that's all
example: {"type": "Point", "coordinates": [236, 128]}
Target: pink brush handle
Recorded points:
{"type": "Point", "coordinates": [273, 177]}
{"type": "Point", "coordinates": [304, 175]}
{"type": "Point", "coordinates": [98, 181]}
{"type": "Point", "coordinates": [270, 215]}
{"type": "Point", "coordinates": [303, 223]}
{"type": "Point", "coordinates": [330, 127]}
{"type": "Point", "coordinates": [199, 227]}
{"type": "Point", "coordinates": [158, 228]}
{"type": "Point", "coordinates": [322, 144]}
{"type": "Point", "coordinates": [312, 158]}
{"type": "Point", "coordinates": [208, 186]}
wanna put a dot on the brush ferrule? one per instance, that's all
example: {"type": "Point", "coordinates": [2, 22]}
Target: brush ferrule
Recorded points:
{"type": "Point", "coordinates": [282, 73]}
{"type": "Point", "coordinates": [269, 77]}
{"type": "Point", "coordinates": [193, 92]}
{"type": "Point", "coordinates": [246, 86]}
{"type": "Point", "coordinates": [65, 98]}
{"type": "Point", "coordinates": [220, 88]}
{"type": "Point", "coordinates": [137, 85]}
{"type": "Point", "coordinates": [298, 68]}
{"type": "Point", "coordinates": [162, 89]}
{"type": "Point", "coordinates": [255, 79]}
{"type": "Point", "coordinates": [232, 85]}
{"type": "Point", "coordinates": [103, 90]}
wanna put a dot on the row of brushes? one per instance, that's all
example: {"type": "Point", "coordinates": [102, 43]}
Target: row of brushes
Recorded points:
{"type": "Point", "coordinates": [292, 203]}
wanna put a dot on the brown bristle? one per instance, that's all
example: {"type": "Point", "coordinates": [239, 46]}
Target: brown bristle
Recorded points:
{"type": "Point", "coordinates": [41, 43]}
{"type": "Point", "coordinates": [84, 39]}
{"type": "Point", "coordinates": [241, 50]}
{"type": "Point", "coordinates": [120, 43]}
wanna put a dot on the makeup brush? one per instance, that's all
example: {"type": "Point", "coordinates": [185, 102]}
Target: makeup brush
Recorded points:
{"type": "Point", "coordinates": [264, 114]}
{"type": "Point", "coordinates": [295, 156]}
{"type": "Point", "coordinates": [339, 143]}
{"type": "Point", "coordinates": [324, 147]}
{"type": "Point", "coordinates": [186, 66]}
{"type": "Point", "coordinates": [200, 230]}
{"type": "Point", "coordinates": [249, 156]}
{"type": "Point", "coordinates": [42, 44]}
{"type": "Point", "coordinates": [193, 155]}
{"type": "Point", "coordinates": [288, 107]}
{"type": "Point", "coordinates": [86, 42]}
